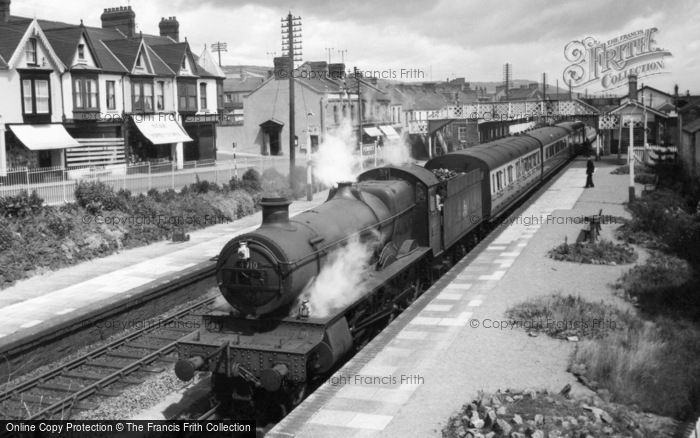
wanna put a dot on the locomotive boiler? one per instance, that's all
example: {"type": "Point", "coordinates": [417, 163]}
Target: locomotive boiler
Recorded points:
{"type": "Point", "coordinates": [268, 342]}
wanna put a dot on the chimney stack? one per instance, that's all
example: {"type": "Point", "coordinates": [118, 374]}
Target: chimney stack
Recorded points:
{"type": "Point", "coordinates": [170, 27]}
{"type": "Point", "coordinates": [632, 81]}
{"type": "Point", "coordinates": [282, 67]}
{"type": "Point", "coordinates": [122, 18]}
{"type": "Point", "coordinates": [5, 11]}
{"type": "Point", "coordinates": [336, 70]}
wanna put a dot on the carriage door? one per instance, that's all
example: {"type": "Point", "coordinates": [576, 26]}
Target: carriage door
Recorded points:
{"type": "Point", "coordinates": [435, 222]}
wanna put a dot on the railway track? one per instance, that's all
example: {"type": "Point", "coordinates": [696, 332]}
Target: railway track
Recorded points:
{"type": "Point", "coordinates": [104, 372]}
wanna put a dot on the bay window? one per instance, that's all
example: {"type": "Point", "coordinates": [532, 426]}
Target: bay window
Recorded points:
{"type": "Point", "coordinates": [85, 94]}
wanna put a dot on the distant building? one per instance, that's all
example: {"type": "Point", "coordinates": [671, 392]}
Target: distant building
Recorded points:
{"type": "Point", "coordinates": [324, 98]}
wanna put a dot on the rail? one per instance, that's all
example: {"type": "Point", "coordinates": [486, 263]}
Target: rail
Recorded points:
{"type": "Point", "coordinates": [15, 395]}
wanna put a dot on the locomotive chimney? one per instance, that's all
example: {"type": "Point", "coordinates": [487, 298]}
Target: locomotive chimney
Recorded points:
{"type": "Point", "coordinates": [275, 210]}
{"type": "Point", "coordinates": [344, 190]}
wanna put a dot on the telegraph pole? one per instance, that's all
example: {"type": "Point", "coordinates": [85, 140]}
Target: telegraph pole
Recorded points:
{"type": "Point", "coordinates": [219, 47]}
{"type": "Point", "coordinates": [291, 43]}
{"type": "Point", "coordinates": [359, 112]}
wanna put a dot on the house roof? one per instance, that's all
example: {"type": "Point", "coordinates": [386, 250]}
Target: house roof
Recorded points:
{"type": "Point", "coordinates": [172, 55]}
{"type": "Point", "coordinates": [692, 127]}
{"type": "Point", "coordinates": [108, 60]}
{"type": "Point", "coordinates": [11, 34]}
{"type": "Point", "coordinates": [640, 107]}
{"type": "Point", "coordinates": [247, 84]}
{"type": "Point", "coordinates": [125, 50]}
{"type": "Point", "coordinates": [160, 68]}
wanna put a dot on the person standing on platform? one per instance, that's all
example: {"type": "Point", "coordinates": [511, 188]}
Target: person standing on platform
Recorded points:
{"type": "Point", "coordinates": [590, 170]}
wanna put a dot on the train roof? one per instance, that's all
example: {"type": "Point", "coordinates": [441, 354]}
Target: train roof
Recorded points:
{"type": "Point", "coordinates": [570, 126]}
{"type": "Point", "coordinates": [491, 155]}
{"type": "Point", "coordinates": [548, 134]}
{"type": "Point", "coordinates": [407, 170]}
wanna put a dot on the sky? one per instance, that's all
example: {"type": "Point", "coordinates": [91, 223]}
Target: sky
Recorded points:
{"type": "Point", "coordinates": [420, 40]}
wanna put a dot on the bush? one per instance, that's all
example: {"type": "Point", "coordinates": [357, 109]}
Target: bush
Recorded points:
{"type": "Point", "coordinates": [97, 196]}
{"type": "Point", "coordinates": [21, 205]}
{"type": "Point", "coordinates": [602, 252]}
{"type": "Point", "coordinates": [563, 316]}
{"type": "Point", "coordinates": [245, 205]}
{"type": "Point", "coordinates": [250, 182]}
{"type": "Point", "coordinates": [664, 285]}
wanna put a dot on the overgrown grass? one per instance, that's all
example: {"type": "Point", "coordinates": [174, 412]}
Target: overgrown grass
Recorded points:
{"type": "Point", "coordinates": [563, 316]}
{"type": "Point", "coordinates": [652, 365]}
{"type": "Point", "coordinates": [601, 252]}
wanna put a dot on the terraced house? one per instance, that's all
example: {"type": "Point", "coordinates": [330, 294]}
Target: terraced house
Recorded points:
{"type": "Point", "coordinates": [76, 96]}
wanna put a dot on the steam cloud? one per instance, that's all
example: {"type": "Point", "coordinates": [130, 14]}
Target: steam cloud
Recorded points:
{"type": "Point", "coordinates": [335, 161]}
{"type": "Point", "coordinates": [341, 280]}
{"type": "Point", "coordinates": [396, 152]}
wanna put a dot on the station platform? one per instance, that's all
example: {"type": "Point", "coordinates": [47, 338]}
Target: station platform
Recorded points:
{"type": "Point", "coordinates": [37, 304]}
{"type": "Point", "coordinates": [451, 343]}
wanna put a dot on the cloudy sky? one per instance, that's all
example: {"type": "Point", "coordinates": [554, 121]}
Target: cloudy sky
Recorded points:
{"type": "Point", "coordinates": [435, 39]}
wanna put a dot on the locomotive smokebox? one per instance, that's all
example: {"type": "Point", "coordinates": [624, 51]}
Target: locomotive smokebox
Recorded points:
{"type": "Point", "coordinates": [275, 210]}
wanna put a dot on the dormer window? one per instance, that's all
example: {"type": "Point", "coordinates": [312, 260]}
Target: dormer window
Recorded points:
{"type": "Point", "coordinates": [139, 61]}
{"type": "Point", "coordinates": [81, 52]}
{"type": "Point", "coordinates": [31, 51]}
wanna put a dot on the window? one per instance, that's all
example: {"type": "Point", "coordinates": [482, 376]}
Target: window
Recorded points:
{"type": "Point", "coordinates": [36, 95]}
{"type": "Point", "coordinates": [139, 61]}
{"type": "Point", "coordinates": [85, 94]}
{"type": "Point", "coordinates": [229, 98]}
{"type": "Point", "coordinates": [142, 94]}
{"type": "Point", "coordinates": [111, 95]}
{"type": "Point", "coordinates": [187, 94]}
{"type": "Point", "coordinates": [31, 51]}
{"type": "Point", "coordinates": [160, 95]}
{"type": "Point", "coordinates": [462, 133]}
{"type": "Point", "coordinates": [202, 96]}
{"type": "Point", "coordinates": [220, 95]}
{"type": "Point", "coordinates": [81, 51]}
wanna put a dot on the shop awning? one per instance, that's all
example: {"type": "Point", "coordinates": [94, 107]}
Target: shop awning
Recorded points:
{"type": "Point", "coordinates": [44, 137]}
{"type": "Point", "coordinates": [372, 131]}
{"type": "Point", "coordinates": [162, 131]}
{"type": "Point", "coordinates": [390, 132]}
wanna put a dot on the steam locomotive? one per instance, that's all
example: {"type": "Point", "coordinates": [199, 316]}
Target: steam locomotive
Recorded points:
{"type": "Point", "coordinates": [270, 344]}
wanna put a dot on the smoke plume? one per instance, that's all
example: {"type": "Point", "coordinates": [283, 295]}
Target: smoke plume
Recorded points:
{"type": "Point", "coordinates": [341, 280]}
{"type": "Point", "coordinates": [396, 152]}
{"type": "Point", "coordinates": [335, 162]}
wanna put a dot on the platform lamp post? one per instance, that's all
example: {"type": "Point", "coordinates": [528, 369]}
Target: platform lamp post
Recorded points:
{"type": "Point", "coordinates": [631, 158]}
